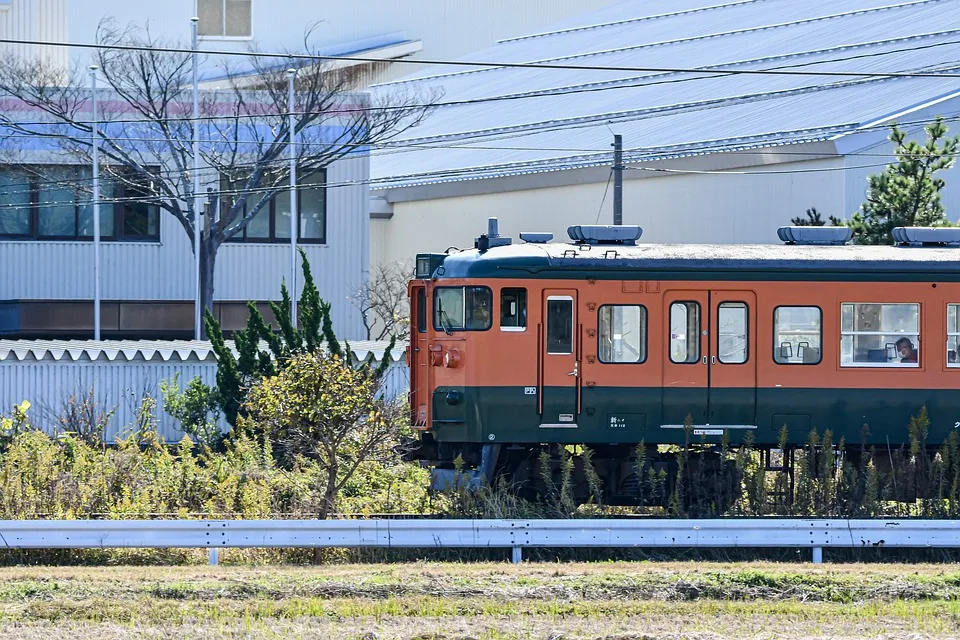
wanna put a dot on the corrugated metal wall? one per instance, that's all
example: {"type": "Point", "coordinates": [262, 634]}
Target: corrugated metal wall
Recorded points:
{"type": "Point", "coordinates": [34, 270]}
{"type": "Point", "coordinates": [35, 20]}
{"type": "Point", "coordinates": [48, 384]}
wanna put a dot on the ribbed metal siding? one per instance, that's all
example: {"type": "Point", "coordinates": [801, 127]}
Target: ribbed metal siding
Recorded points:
{"type": "Point", "coordinates": [164, 271]}
{"type": "Point", "coordinates": [36, 20]}
{"type": "Point", "coordinates": [48, 384]}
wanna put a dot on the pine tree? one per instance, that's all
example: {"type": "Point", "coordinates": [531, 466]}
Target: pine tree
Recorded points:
{"type": "Point", "coordinates": [238, 372]}
{"type": "Point", "coordinates": [906, 193]}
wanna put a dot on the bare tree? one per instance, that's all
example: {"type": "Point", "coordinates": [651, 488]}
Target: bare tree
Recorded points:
{"type": "Point", "coordinates": [147, 138]}
{"type": "Point", "coordinates": [383, 302]}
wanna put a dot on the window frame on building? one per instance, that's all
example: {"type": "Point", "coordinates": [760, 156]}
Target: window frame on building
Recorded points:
{"type": "Point", "coordinates": [118, 207]}
{"type": "Point", "coordinates": [221, 33]}
{"type": "Point", "coordinates": [317, 181]}
{"type": "Point", "coordinates": [888, 363]}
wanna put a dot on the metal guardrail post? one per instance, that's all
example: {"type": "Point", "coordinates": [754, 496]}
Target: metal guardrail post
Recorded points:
{"type": "Point", "coordinates": [214, 555]}
{"type": "Point", "coordinates": [517, 555]}
{"type": "Point", "coordinates": [818, 555]}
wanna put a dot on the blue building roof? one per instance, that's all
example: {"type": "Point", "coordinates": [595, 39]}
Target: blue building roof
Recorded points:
{"type": "Point", "coordinates": [507, 121]}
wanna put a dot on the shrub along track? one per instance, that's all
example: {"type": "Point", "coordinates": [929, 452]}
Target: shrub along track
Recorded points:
{"type": "Point", "coordinates": [432, 600]}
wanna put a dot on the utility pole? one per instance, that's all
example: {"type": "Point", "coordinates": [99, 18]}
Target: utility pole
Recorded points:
{"type": "Point", "coordinates": [617, 179]}
{"type": "Point", "coordinates": [294, 217]}
{"type": "Point", "coordinates": [197, 216]}
{"type": "Point", "coordinates": [95, 134]}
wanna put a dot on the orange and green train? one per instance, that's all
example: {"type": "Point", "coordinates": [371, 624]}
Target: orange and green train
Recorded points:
{"type": "Point", "coordinates": [520, 348]}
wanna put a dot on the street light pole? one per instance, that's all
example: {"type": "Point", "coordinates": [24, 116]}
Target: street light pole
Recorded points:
{"type": "Point", "coordinates": [294, 214]}
{"type": "Point", "coordinates": [197, 217]}
{"type": "Point", "coordinates": [94, 133]}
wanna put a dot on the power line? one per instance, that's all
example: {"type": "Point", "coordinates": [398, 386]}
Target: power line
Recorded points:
{"type": "Point", "coordinates": [467, 63]}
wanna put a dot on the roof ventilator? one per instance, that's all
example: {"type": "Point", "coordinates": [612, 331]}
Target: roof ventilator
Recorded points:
{"type": "Point", "coordinates": [605, 234]}
{"type": "Point", "coordinates": [536, 237]}
{"type": "Point", "coordinates": [927, 236]}
{"type": "Point", "coordinates": [492, 237]}
{"type": "Point", "coordinates": [815, 235]}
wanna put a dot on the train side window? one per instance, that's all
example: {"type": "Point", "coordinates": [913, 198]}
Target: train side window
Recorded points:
{"type": "Point", "coordinates": [421, 310]}
{"type": "Point", "coordinates": [879, 335]}
{"type": "Point", "coordinates": [462, 308]}
{"type": "Point", "coordinates": [513, 309]}
{"type": "Point", "coordinates": [623, 334]}
{"type": "Point", "coordinates": [732, 333]}
{"type": "Point", "coordinates": [953, 335]}
{"type": "Point", "coordinates": [560, 325]}
{"type": "Point", "coordinates": [797, 335]}
{"type": "Point", "coordinates": [685, 332]}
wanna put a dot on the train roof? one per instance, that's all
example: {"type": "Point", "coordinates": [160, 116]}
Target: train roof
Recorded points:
{"type": "Point", "coordinates": [705, 261]}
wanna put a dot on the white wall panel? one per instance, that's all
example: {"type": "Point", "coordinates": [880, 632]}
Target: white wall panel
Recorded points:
{"type": "Point", "coordinates": [164, 271]}
{"type": "Point", "coordinates": [692, 208]}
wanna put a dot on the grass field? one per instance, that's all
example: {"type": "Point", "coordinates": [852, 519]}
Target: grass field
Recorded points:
{"type": "Point", "coordinates": [489, 600]}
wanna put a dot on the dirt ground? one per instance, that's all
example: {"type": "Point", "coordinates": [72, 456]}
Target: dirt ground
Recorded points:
{"type": "Point", "coordinates": [695, 600]}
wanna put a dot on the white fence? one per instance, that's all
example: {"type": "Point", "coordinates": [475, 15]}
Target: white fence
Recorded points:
{"type": "Point", "coordinates": [508, 534]}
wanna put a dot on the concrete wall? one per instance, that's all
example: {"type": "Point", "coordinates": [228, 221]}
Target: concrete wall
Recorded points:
{"type": "Point", "coordinates": [679, 208]}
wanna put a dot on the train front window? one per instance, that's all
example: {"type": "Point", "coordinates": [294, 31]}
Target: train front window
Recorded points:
{"type": "Point", "coordinates": [685, 332]}
{"type": "Point", "coordinates": [797, 335]}
{"type": "Point", "coordinates": [560, 325]}
{"type": "Point", "coordinates": [421, 310]}
{"type": "Point", "coordinates": [879, 335]}
{"type": "Point", "coordinates": [513, 309]}
{"type": "Point", "coordinates": [953, 335]}
{"type": "Point", "coordinates": [462, 308]}
{"type": "Point", "coordinates": [623, 334]}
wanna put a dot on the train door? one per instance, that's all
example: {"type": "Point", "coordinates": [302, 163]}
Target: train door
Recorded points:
{"type": "Point", "coordinates": [559, 378]}
{"type": "Point", "coordinates": [417, 356]}
{"type": "Point", "coordinates": [733, 359]}
{"type": "Point", "coordinates": [686, 372]}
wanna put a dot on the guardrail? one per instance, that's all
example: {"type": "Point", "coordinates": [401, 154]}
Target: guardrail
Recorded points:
{"type": "Point", "coordinates": [815, 534]}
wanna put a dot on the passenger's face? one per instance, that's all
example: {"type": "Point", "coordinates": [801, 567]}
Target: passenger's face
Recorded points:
{"type": "Point", "coordinates": [904, 349]}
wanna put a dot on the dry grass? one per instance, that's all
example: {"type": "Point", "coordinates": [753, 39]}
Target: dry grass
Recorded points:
{"type": "Point", "coordinates": [433, 600]}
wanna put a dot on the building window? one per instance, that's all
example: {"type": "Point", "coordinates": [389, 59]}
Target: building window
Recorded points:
{"type": "Point", "coordinates": [797, 335]}
{"type": "Point", "coordinates": [732, 333]}
{"type": "Point", "coordinates": [953, 335]}
{"type": "Point", "coordinates": [462, 308]}
{"type": "Point", "coordinates": [55, 203]}
{"type": "Point", "coordinates": [879, 335]}
{"type": "Point", "coordinates": [272, 222]}
{"type": "Point", "coordinates": [225, 18]}
{"type": "Point", "coordinates": [623, 334]}
{"type": "Point", "coordinates": [513, 309]}
{"type": "Point", "coordinates": [684, 332]}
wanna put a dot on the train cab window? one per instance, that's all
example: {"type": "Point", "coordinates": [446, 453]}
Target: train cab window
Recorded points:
{"type": "Point", "coordinates": [879, 335]}
{"type": "Point", "coordinates": [797, 335]}
{"type": "Point", "coordinates": [623, 334]}
{"type": "Point", "coordinates": [421, 310]}
{"type": "Point", "coordinates": [462, 308]}
{"type": "Point", "coordinates": [685, 332]}
{"type": "Point", "coordinates": [732, 332]}
{"type": "Point", "coordinates": [513, 309]}
{"type": "Point", "coordinates": [953, 335]}
{"type": "Point", "coordinates": [560, 325]}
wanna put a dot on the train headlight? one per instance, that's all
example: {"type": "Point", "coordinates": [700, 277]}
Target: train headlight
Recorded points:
{"type": "Point", "coordinates": [451, 358]}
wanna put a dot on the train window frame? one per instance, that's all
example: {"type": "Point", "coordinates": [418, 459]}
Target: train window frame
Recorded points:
{"type": "Point", "coordinates": [522, 309]}
{"type": "Point", "coordinates": [685, 304]}
{"type": "Point", "coordinates": [548, 324]}
{"type": "Point", "coordinates": [892, 364]}
{"type": "Point", "coordinates": [437, 294]}
{"type": "Point", "coordinates": [953, 334]}
{"type": "Point", "coordinates": [777, 343]}
{"type": "Point", "coordinates": [746, 332]}
{"type": "Point", "coordinates": [644, 334]}
{"type": "Point", "coordinates": [421, 309]}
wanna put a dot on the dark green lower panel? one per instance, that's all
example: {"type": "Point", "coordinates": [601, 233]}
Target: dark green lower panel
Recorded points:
{"type": "Point", "coordinates": [624, 415]}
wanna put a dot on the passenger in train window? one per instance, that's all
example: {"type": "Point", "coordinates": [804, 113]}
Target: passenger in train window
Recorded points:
{"type": "Point", "coordinates": [907, 353]}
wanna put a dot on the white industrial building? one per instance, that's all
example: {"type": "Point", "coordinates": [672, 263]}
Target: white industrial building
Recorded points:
{"type": "Point", "coordinates": [710, 157]}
